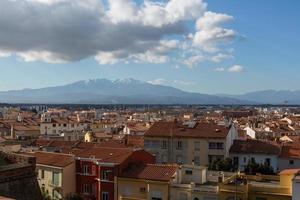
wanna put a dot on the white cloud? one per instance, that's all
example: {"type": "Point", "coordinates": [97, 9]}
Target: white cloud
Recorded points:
{"type": "Point", "coordinates": [4, 54]}
{"type": "Point", "coordinates": [220, 57]}
{"type": "Point", "coordinates": [235, 69]}
{"type": "Point", "coordinates": [182, 82]}
{"type": "Point", "coordinates": [59, 31]}
{"type": "Point", "coordinates": [159, 81]}
{"type": "Point", "coordinates": [193, 61]}
{"type": "Point", "coordinates": [210, 33]}
{"type": "Point", "coordinates": [219, 69]}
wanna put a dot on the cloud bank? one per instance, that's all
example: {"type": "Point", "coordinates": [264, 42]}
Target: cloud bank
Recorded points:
{"type": "Point", "coordinates": [112, 31]}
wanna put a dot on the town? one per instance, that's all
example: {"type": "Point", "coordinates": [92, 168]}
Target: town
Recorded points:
{"type": "Point", "coordinates": [126, 152]}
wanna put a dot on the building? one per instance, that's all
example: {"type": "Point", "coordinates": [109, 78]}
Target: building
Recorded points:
{"type": "Point", "coordinates": [289, 157]}
{"type": "Point", "coordinates": [256, 187]}
{"type": "Point", "coordinates": [189, 143]}
{"type": "Point", "coordinates": [18, 178]}
{"type": "Point", "coordinates": [146, 182]}
{"type": "Point", "coordinates": [166, 181]}
{"type": "Point", "coordinates": [261, 152]}
{"type": "Point", "coordinates": [192, 183]}
{"type": "Point", "coordinates": [56, 174]}
{"type": "Point", "coordinates": [54, 126]}
{"type": "Point", "coordinates": [295, 183]}
{"type": "Point", "coordinates": [97, 169]}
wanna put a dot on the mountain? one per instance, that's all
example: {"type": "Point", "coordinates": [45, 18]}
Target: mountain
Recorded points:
{"type": "Point", "coordinates": [103, 91]}
{"type": "Point", "coordinates": [269, 97]}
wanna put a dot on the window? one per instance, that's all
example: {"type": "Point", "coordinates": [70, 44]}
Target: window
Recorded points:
{"type": "Point", "coordinates": [216, 145]}
{"type": "Point", "coordinates": [245, 159]}
{"type": "Point", "coordinates": [55, 178]}
{"type": "Point", "coordinates": [164, 158]}
{"type": "Point", "coordinates": [142, 189]}
{"type": "Point", "coordinates": [105, 196]}
{"type": "Point", "coordinates": [179, 144]}
{"type": "Point", "coordinates": [86, 169]}
{"type": "Point", "coordinates": [156, 195]}
{"type": "Point", "coordinates": [268, 161]}
{"type": "Point", "coordinates": [197, 160]}
{"type": "Point", "coordinates": [252, 160]}
{"type": "Point", "coordinates": [65, 125]}
{"type": "Point", "coordinates": [189, 172]}
{"type": "Point", "coordinates": [105, 175]}
{"type": "Point", "coordinates": [54, 125]}
{"type": "Point", "coordinates": [164, 144]}
{"type": "Point", "coordinates": [236, 161]}
{"type": "Point", "coordinates": [196, 146]}
{"type": "Point", "coordinates": [179, 159]}
{"type": "Point", "coordinates": [291, 162]}
{"type": "Point", "coordinates": [42, 174]}
{"type": "Point", "coordinates": [87, 188]}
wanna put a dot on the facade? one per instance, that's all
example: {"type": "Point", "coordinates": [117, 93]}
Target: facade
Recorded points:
{"type": "Point", "coordinates": [166, 181]}
{"type": "Point", "coordinates": [189, 143]}
{"type": "Point", "coordinates": [243, 152]}
{"type": "Point", "coordinates": [289, 157]}
{"type": "Point", "coordinates": [56, 174]}
{"type": "Point", "coordinates": [97, 169]}
{"type": "Point", "coordinates": [146, 182]}
{"type": "Point", "coordinates": [261, 187]}
{"type": "Point", "coordinates": [55, 126]}
{"type": "Point", "coordinates": [191, 183]}
{"type": "Point", "coordinates": [296, 186]}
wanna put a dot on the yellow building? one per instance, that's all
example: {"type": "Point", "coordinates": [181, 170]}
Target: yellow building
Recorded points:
{"type": "Point", "coordinates": [56, 174]}
{"type": "Point", "coordinates": [146, 182]}
{"type": "Point", "coordinates": [163, 182]}
{"type": "Point", "coordinates": [256, 187]}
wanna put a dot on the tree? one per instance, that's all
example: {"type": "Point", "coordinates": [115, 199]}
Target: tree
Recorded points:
{"type": "Point", "coordinates": [222, 165]}
{"type": "Point", "coordinates": [254, 168]}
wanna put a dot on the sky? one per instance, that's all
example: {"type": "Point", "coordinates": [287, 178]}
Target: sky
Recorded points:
{"type": "Point", "coordinates": [209, 46]}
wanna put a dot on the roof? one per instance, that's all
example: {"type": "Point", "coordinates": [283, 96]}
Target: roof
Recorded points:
{"type": "Point", "coordinates": [150, 172]}
{"type": "Point", "coordinates": [290, 152]}
{"type": "Point", "coordinates": [106, 154]}
{"type": "Point", "coordinates": [53, 159]}
{"type": "Point", "coordinates": [176, 129]}
{"type": "Point", "coordinates": [250, 146]}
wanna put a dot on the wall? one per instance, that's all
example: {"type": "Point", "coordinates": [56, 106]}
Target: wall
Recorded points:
{"type": "Point", "coordinates": [69, 179]}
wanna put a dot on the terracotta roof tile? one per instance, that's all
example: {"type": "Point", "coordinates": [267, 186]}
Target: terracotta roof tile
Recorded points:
{"type": "Point", "coordinates": [109, 155]}
{"type": "Point", "coordinates": [290, 152]}
{"type": "Point", "coordinates": [151, 172]}
{"type": "Point", "coordinates": [250, 146]}
{"type": "Point", "coordinates": [176, 129]}
{"type": "Point", "coordinates": [53, 159]}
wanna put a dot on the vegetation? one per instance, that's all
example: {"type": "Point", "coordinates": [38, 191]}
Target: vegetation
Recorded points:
{"type": "Point", "coordinates": [254, 168]}
{"type": "Point", "coordinates": [222, 165]}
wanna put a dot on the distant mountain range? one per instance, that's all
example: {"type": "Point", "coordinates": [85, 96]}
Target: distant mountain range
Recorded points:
{"type": "Point", "coordinates": [103, 91]}
{"type": "Point", "coordinates": [269, 97]}
{"type": "Point", "coordinates": [131, 91]}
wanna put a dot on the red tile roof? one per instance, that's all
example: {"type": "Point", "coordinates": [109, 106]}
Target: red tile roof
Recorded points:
{"type": "Point", "coordinates": [290, 152]}
{"type": "Point", "coordinates": [53, 159]}
{"type": "Point", "coordinates": [151, 172]}
{"type": "Point", "coordinates": [176, 129]}
{"type": "Point", "coordinates": [103, 154]}
{"type": "Point", "coordinates": [250, 146]}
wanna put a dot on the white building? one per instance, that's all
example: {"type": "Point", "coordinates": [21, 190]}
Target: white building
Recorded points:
{"type": "Point", "coordinates": [261, 152]}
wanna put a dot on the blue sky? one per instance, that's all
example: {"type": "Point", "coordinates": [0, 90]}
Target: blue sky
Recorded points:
{"type": "Point", "coordinates": [266, 45]}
